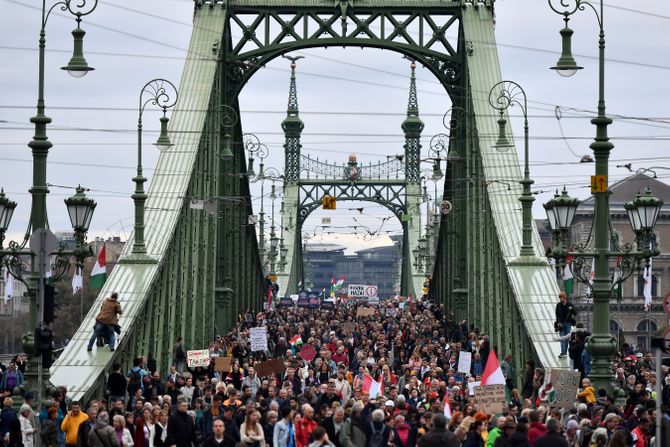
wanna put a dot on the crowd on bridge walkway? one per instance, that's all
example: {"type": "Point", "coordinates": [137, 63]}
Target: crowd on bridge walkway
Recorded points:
{"type": "Point", "coordinates": [389, 379]}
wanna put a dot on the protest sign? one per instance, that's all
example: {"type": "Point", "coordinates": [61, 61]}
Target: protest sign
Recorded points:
{"type": "Point", "coordinates": [223, 364]}
{"type": "Point", "coordinates": [313, 301]}
{"type": "Point", "coordinates": [198, 358]}
{"type": "Point", "coordinates": [560, 387]}
{"type": "Point", "coordinates": [490, 398]}
{"type": "Point", "coordinates": [356, 290]}
{"type": "Point", "coordinates": [471, 387]}
{"type": "Point", "coordinates": [308, 353]}
{"type": "Point", "coordinates": [303, 300]}
{"type": "Point", "coordinates": [464, 362]}
{"type": "Point", "coordinates": [285, 302]}
{"type": "Point", "coordinates": [270, 367]}
{"type": "Point", "coordinates": [259, 338]}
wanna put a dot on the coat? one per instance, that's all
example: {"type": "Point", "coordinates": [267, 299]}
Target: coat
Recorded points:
{"type": "Point", "coordinates": [49, 433]}
{"type": "Point", "coordinates": [181, 430]}
{"type": "Point", "coordinates": [551, 439]}
{"type": "Point", "coordinates": [102, 435]}
{"type": "Point", "coordinates": [351, 435]}
{"type": "Point", "coordinates": [439, 438]}
{"type": "Point", "coordinates": [281, 433]}
{"type": "Point", "coordinates": [109, 312]}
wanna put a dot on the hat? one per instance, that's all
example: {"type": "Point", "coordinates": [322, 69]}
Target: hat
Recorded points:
{"type": "Point", "coordinates": [572, 424]}
{"type": "Point", "coordinates": [610, 416]}
{"type": "Point", "coordinates": [389, 403]}
{"type": "Point", "coordinates": [25, 407]}
{"type": "Point", "coordinates": [639, 355]}
{"type": "Point", "coordinates": [28, 395]}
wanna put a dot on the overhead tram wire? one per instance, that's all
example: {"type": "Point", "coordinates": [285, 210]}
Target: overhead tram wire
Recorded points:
{"type": "Point", "coordinates": [341, 62]}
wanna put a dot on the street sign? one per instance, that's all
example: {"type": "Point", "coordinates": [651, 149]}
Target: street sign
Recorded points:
{"type": "Point", "coordinates": [328, 202]}
{"type": "Point", "coordinates": [666, 340]}
{"type": "Point", "coordinates": [666, 304]}
{"type": "Point", "coordinates": [446, 207]}
{"type": "Point", "coordinates": [43, 240]}
{"type": "Point", "coordinates": [598, 183]}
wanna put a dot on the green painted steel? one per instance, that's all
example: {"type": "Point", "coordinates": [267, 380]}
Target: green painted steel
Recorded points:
{"type": "Point", "coordinates": [209, 268]}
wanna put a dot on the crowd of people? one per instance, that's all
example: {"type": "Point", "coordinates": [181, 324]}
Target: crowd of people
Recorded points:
{"type": "Point", "coordinates": [410, 350]}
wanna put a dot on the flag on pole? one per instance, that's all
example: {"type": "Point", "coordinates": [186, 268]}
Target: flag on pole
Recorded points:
{"type": "Point", "coordinates": [568, 280]}
{"type": "Point", "coordinates": [492, 373]}
{"type": "Point", "coordinates": [647, 277]}
{"type": "Point", "coordinates": [99, 272]}
{"type": "Point", "coordinates": [9, 286]}
{"type": "Point", "coordinates": [77, 281]}
{"type": "Point", "coordinates": [336, 285]}
{"type": "Point", "coordinates": [269, 297]}
{"type": "Point", "coordinates": [616, 280]}
{"type": "Point", "coordinates": [371, 386]}
{"type": "Point", "coordinates": [296, 341]}
{"type": "Point", "coordinates": [447, 406]}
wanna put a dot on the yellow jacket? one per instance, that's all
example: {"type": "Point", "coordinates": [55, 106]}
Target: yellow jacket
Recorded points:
{"type": "Point", "coordinates": [589, 394]}
{"type": "Point", "coordinates": [70, 426]}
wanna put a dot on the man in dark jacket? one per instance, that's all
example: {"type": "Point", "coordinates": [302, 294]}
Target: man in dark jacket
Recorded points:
{"type": "Point", "coordinates": [102, 434]}
{"type": "Point", "coordinates": [210, 415]}
{"type": "Point", "coordinates": [333, 426]}
{"type": "Point", "coordinates": [219, 437]}
{"type": "Point", "coordinates": [565, 314]}
{"type": "Point", "coordinates": [85, 427]}
{"type": "Point", "coordinates": [438, 436]}
{"type": "Point", "coordinates": [553, 438]}
{"type": "Point", "coordinates": [181, 428]}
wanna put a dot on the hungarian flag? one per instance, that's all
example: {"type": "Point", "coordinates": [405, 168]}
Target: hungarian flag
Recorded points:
{"type": "Point", "coordinates": [296, 340]}
{"type": "Point", "coordinates": [646, 291]}
{"type": "Point", "coordinates": [616, 280]}
{"type": "Point", "coordinates": [336, 285]}
{"type": "Point", "coordinates": [99, 272]}
{"type": "Point", "coordinates": [371, 386]}
{"type": "Point", "coordinates": [447, 406]}
{"type": "Point", "coordinates": [568, 280]}
{"type": "Point", "coordinates": [492, 373]}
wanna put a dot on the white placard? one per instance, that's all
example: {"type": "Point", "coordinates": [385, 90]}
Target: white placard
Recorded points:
{"type": "Point", "coordinates": [464, 362]}
{"type": "Point", "coordinates": [471, 387]}
{"type": "Point", "coordinates": [198, 358]}
{"type": "Point", "coordinates": [259, 338]}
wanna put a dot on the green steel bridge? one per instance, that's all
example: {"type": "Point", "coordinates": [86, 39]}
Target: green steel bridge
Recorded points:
{"type": "Point", "coordinates": [203, 269]}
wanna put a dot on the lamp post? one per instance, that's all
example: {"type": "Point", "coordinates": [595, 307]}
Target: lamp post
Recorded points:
{"type": "Point", "coordinates": [38, 222]}
{"type": "Point", "coordinates": [503, 95]}
{"type": "Point", "coordinates": [601, 345]}
{"type": "Point", "coordinates": [161, 93]}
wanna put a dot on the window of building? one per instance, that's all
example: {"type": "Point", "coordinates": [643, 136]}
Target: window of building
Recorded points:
{"type": "Point", "coordinates": [654, 285]}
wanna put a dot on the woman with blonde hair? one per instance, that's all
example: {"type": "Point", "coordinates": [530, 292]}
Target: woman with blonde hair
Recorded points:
{"type": "Point", "coordinates": [122, 433]}
{"type": "Point", "coordinates": [251, 431]}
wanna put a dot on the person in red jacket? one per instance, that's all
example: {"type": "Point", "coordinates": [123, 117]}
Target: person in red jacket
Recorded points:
{"type": "Point", "coordinates": [641, 433]}
{"type": "Point", "coordinates": [304, 426]}
{"type": "Point", "coordinates": [536, 428]}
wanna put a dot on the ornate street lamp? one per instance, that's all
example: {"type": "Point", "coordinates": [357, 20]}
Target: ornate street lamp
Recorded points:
{"type": "Point", "coordinates": [38, 221]}
{"type": "Point", "coordinates": [601, 345]}
{"type": "Point", "coordinates": [503, 95]}
{"type": "Point", "coordinates": [161, 93]}
{"type": "Point", "coordinates": [6, 211]}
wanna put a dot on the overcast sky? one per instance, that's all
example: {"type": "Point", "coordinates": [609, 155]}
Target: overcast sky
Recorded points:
{"type": "Point", "coordinates": [130, 43]}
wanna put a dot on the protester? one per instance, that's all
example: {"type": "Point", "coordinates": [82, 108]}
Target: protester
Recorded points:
{"type": "Point", "coordinates": [102, 434]}
{"type": "Point", "coordinates": [106, 322]}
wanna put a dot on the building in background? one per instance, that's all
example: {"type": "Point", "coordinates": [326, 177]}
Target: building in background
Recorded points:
{"type": "Point", "coordinates": [627, 315]}
{"type": "Point", "coordinates": [378, 266]}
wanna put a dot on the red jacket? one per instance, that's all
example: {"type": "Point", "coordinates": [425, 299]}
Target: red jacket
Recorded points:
{"type": "Point", "coordinates": [536, 430]}
{"type": "Point", "coordinates": [303, 431]}
{"type": "Point", "coordinates": [641, 437]}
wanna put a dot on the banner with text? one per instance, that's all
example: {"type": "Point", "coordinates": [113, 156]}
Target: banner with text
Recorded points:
{"type": "Point", "coordinates": [490, 398]}
{"type": "Point", "coordinates": [198, 358]}
{"type": "Point", "coordinates": [259, 338]}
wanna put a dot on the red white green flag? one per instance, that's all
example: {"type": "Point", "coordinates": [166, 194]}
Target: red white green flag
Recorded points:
{"type": "Point", "coordinates": [99, 272]}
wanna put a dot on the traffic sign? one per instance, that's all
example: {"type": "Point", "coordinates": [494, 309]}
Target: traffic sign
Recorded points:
{"type": "Point", "coordinates": [666, 340]}
{"type": "Point", "coordinates": [446, 207]}
{"type": "Point", "coordinates": [598, 183]}
{"type": "Point", "coordinates": [329, 202]}
{"type": "Point", "coordinates": [666, 304]}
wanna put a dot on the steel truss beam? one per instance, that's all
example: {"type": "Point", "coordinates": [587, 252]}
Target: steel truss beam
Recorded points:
{"type": "Point", "coordinates": [390, 195]}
